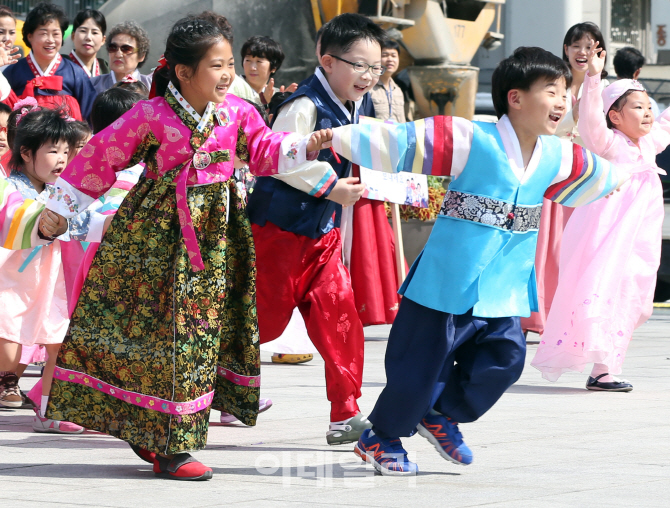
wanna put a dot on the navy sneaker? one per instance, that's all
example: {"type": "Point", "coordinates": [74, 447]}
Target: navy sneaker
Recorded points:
{"type": "Point", "coordinates": [386, 455]}
{"type": "Point", "coordinates": [443, 433]}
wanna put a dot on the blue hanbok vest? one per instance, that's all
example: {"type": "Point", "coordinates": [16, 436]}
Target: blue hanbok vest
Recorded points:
{"type": "Point", "coordinates": [474, 262]}
{"type": "Point", "coordinates": [289, 208]}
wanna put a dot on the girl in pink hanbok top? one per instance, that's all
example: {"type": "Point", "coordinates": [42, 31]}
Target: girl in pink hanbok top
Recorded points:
{"type": "Point", "coordinates": [611, 249]}
{"type": "Point", "coordinates": [165, 326]}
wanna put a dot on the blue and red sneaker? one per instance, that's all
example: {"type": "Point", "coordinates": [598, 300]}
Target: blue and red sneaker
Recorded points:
{"type": "Point", "coordinates": [443, 433]}
{"type": "Point", "coordinates": [386, 455]}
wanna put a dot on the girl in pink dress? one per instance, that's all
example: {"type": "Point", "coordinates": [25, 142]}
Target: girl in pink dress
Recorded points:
{"type": "Point", "coordinates": [19, 222]}
{"type": "Point", "coordinates": [611, 249]}
{"type": "Point", "coordinates": [577, 42]}
{"type": "Point", "coordinates": [165, 326]}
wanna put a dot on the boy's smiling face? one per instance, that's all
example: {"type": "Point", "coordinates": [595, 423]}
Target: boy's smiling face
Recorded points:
{"type": "Point", "coordinates": [540, 108]}
{"type": "Point", "coordinates": [347, 84]}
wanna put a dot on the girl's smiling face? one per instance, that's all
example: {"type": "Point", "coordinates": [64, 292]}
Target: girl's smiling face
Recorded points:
{"type": "Point", "coordinates": [212, 78]}
{"type": "Point", "coordinates": [46, 41]}
{"type": "Point", "coordinates": [47, 163]}
{"type": "Point", "coordinates": [635, 118]}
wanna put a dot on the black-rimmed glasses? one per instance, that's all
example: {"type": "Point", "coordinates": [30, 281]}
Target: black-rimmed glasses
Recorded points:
{"type": "Point", "coordinates": [362, 67]}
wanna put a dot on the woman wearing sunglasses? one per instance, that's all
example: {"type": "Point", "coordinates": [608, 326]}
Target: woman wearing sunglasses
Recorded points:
{"type": "Point", "coordinates": [128, 47]}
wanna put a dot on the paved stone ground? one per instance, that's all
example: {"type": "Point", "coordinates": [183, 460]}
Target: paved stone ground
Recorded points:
{"type": "Point", "coordinates": [542, 445]}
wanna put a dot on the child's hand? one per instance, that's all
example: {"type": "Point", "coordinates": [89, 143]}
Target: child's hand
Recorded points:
{"type": "Point", "coordinates": [320, 140]}
{"type": "Point", "coordinates": [347, 191]}
{"type": "Point", "coordinates": [52, 224]}
{"type": "Point", "coordinates": [596, 59]}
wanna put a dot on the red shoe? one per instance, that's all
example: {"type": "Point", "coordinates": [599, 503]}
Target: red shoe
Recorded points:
{"type": "Point", "coordinates": [143, 454]}
{"type": "Point", "coordinates": [181, 467]}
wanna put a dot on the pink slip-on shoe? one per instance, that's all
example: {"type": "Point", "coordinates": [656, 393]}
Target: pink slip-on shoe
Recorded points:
{"type": "Point", "coordinates": [263, 405]}
{"type": "Point", "coordinates": [54, 426]}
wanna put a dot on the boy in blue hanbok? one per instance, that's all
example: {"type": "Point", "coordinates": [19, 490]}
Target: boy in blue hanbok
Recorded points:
{"type": "Point", "coordinates": [456, 344]}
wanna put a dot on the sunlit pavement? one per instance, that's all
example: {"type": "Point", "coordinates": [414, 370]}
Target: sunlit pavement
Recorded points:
{"type": "Point", "coordinates": [543, 445]}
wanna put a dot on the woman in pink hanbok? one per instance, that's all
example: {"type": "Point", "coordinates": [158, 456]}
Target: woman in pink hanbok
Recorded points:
{"type": "Point", "coordinates": [611, 248]}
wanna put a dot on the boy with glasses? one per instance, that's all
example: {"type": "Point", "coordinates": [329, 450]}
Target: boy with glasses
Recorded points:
{"type": "Point", "coordinates": [297, 236]}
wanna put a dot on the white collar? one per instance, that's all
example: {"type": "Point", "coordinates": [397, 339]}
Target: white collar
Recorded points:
{"type": "Point", "coordinates": [513, 150]}
{"type": "Point", "coordinates": [135, 74]}
{"type": "Point", "coordinates": [202, 120]}
{"type": "Point", "coordinates": [39, 69]}
{"type": "Point", "coordinates": [324, 82]}
{"type": "Point", "coordinates": [82, 64]}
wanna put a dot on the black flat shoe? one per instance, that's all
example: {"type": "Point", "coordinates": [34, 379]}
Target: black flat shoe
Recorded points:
{"type": "Point", "coordinates": [610, 386]}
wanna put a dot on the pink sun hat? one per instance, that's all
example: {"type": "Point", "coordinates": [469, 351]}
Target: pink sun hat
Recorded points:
{"type": "Point", "coordinates": [612, 92]}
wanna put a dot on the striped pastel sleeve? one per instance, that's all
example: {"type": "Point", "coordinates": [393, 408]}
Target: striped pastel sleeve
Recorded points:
{"type": "Point", "coordinates": [316, 178]}
{"type": "Point", "coordinates": [584, 177]}
{"type": "Point", "coordinates": [18, 219]}
{"type": "Point", "coordinates": [88, 226]}
{"type": "Point", "coordinates": [425, 146]}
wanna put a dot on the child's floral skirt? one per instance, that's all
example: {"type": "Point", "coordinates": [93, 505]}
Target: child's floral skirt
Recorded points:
{"type": "Point", "coordinates": [152, 344]}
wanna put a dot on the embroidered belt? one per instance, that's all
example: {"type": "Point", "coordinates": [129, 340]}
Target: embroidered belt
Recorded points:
{"type": "Point", "coordinates": [490, 211]}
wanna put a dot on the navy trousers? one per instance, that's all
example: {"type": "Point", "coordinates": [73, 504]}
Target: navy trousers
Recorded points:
{"type": "Point", "coordinates": [459, 365]}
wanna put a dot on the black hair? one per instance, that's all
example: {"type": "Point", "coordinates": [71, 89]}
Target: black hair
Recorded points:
{"type": "Point", "coordinates": [42, 14]}
{"type": "Point", "coordinates": [109, 105]}
{"type": "Point", "coordinates": [37, 128]}
{"type": "Point", "coordinates": [343, 31]}
{"type": "Point", "coordinates": [522, 70]}
{"type": "Point", "coordinates": [577, 32]}
{"type": "Point", "coordinates": [86, 14]}
{"type": "Point", "coordinates": [189, 41]}
{"type": "Point", "coordinates": [627, 62]}
{"type": "Point", "coordinates": [132, 29]}
{"type": "Point", "coordinates": [391, 44]}
{"type": "Point", "coordinates": [80, 130]}
{"type": "Point", "coordinates": [264, 47]}
{"type": "Point", "coordinates": [4, 108]}
{"type": "Point", "coordinates": [133, 86]}
{"type": "Point", "coordinates": [617, 106]}
{"type": "Point", "coordinates": [220, 21]}
{"type": "Point", "coordinates": [318, 35]}
{"type": "Point", "coordinates": [277, 99]}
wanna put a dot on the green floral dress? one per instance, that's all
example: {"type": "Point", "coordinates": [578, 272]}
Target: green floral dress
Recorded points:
{"type": "Point", "coordinates": [154, 343]}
